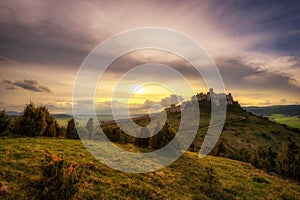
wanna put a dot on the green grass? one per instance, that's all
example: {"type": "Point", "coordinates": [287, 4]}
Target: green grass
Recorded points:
{"type": "Point", "coordinates": [20, 161]}
{"type": "Point", "coordinates": [292, 121]}
{"type": "Point", "coordinates": [245, 130]}
{"type": "Point", "coordinates": [241, 130]}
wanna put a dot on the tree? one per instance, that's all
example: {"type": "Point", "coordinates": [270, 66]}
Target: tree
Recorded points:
{"type": "Point", "coordinates": [243, 155]}
{"type": "Point", "coordinates": [90, 128]}
{"type": "Point", "coordinates": [60, 130]}
{"type": "Point", "coordinates": [35, 121]}
{"type": "Point", "coordinates": [71, 132]}
{"type": "Point", "coordinates": [52, 127]}
{"type": "Point", "coordinates": [163, 137]}
{"type": "Point", "coordinates": [219, 150]}
{"type": "Point", "coordinates": [143, 137]}
{"type": "Point", "coordinates": [27, 124]}
{"type": "Point", "coordinates": [211, 179]}
{"type": "Point", "coordinates": [289, 161]}
{"type": "Point", "coordinates": [4, 121]}
{"type": "Point", "coordinates": [264, 158]}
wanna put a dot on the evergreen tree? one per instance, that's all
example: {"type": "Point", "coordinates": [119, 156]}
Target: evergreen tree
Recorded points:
{"type": "Point", "coordinates": [35, 121]}
{"type": "Point", "coordinates": [4, 121]}
{"type": "Point", "coordinates": [264, 158]}
{"type": "Point", "coordinates": [244, 155]}
{"type": "Point", "coordinates": [90, 128]}
{"type": "Point", "coordinates": [289, 161]}
{"type": "Point", "coordinates": [219, 150]}
{"type": "Point", "coordinates": [71, 132]}
{"type": "Point", "coordinates": [28, 125]}
{"type": "Point", "coordinates": [210, 178]}
{"type": "Point", "coordinates": [143, 137]}
{"type": "Point", "coordinates": [107, 132]}
{"type": "Point", "coordinates": [52, 127]}
{"type": "Point", "coordinates": [163, 137]}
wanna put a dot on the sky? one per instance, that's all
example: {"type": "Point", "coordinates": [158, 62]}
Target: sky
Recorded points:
{"type": "Point", "coordinates": [255, 45]}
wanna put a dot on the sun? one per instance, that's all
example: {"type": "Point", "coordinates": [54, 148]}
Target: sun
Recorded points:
{"type": "Point", "coordinates": [139, 90]}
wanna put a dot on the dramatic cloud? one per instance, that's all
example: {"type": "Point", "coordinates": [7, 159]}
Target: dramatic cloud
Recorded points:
{"type": "Point", "coordinates": [255, 44]}
{"type": "Point", "coordinates": [237, 74]}
{"type": "Point", "coordinates": [31, 85]}
{"type": "Point", "coordinates": [172, 99]}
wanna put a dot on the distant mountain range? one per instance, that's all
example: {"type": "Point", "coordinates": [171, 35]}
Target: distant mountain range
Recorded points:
{"type": "Point", "coordinates": [290, 110]}
{"type": "Point", "coordinates": [11, 114]}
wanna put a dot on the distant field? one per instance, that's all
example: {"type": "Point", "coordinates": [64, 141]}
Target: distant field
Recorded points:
{"type": "Point", "coordinates": [292, 121]}
{"type": "Point", "coordinates": [20, 160]}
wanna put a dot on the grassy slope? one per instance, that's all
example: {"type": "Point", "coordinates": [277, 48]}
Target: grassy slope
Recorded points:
{"type": "Point", "coordinates": [246, 130]}
{"type": "Point", "coordinates": [20, 160]}
{"type": "Point", "coordinates": [241, 129]}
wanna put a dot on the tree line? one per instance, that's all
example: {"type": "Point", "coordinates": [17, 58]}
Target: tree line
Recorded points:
{"type": "Point", "coordinates": [32, 121]}
{"type": "Point", "coordinates": [36, 121]}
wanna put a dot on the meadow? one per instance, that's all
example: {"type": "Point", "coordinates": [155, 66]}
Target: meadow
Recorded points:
{"type": "Point", "coordinates": [21, 158]}
{"type": "Point", "coordinates": [292, 121]}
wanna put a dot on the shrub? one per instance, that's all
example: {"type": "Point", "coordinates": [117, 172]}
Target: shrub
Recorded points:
{"type": "Point", "coordinates": [244, 155]}
{"type": "Point", "coordinates": [143, 139]}
{"type": "Point", "coordinates": [264, 158]}
{"type": "Point", "coordinates": [288, 162]}
{"type": "Point", "coordinates": [286, 196]}
{"type": "Point", "coordinates": [113, 134]}
{"type": "Point", "coordinates": [163, 137]}
{"type": "Point", "coordinates": [56, 182]}
{"type": "Point", "coordinates": [35, 121]}
{"type": "Point", "coordinates": [219, 150]}
{"type": "Point", "coordinates": [260, 179]}
{"type": "Point", "coordinates": [211, 180]}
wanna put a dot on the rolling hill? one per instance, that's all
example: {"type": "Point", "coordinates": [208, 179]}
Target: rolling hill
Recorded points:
{"type": "Point", "coordinates": [186, 178]}
{"type": "Point", "coordinates": [290, 110]}
{"type": "Point", "coordinates": [243, 129]}
{"type": "Point", "coordinates": [20, 160]}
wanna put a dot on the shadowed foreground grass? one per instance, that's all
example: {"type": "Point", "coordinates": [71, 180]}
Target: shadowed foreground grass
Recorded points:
{"type": "Point", "coordinates": [20, 160]}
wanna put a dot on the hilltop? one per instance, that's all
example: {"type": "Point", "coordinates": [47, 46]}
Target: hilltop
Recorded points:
{"type": "Point", "coordinates": [243, 129]}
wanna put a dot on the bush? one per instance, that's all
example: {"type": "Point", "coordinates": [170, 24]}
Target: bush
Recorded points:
{"type": "Point", "coordinates": [219, 150]}
{"type": "Point", "coordinates": [211, 180]}
{"type": "Point", "coordinates": [143, 139]}
{"type": "Point", "coordinates": [286, 196]}
{"type": "Point", "coordinates": [4, 121]}
{"type": "Point", "coordinates": [264, 158]}
{"type": "Point", "coordinates": [35, 121]}
{"type": "Point", "coordinates": [163, 137]}
{"type": "Point", "coordinates": [56, 182]}
{"type": "Point", "coordinates": [243, 155]}
{"type": "Point", "coordinates": [260, 179]}
{"type": "Point", "coordinates": [288, 162]}
{"type": "Point", "coordinates": [113, 134]}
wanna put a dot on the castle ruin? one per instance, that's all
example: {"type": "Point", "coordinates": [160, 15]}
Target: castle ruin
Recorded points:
{"type": "Point", "coordinates": [209, 96]}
